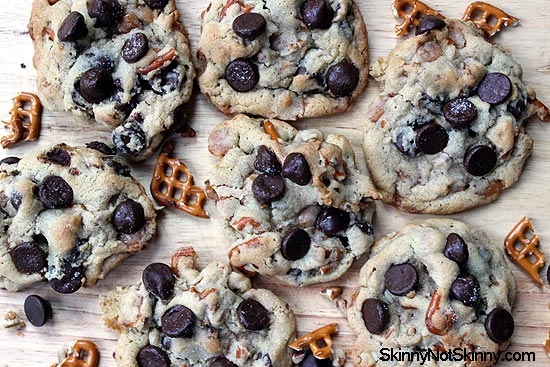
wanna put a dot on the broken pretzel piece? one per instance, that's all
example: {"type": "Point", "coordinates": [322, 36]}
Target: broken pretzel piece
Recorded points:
{"type": "Point", "coordinates": [435, 326]}
{"type": "Point", "coordinates": [159, 62]}
{"type": "Point", "coordinates": [85, 354]}
{"type": "Point", "coordinates": [543, 113]}
{"type": "Point", "coordinates": [311, 340]}
{"type": "Point", "coordinates": [488, 18]}
{"type": "Point", "coordinates": [412, 12]}
{"type": "Point", "coordinates": [547, 345]}
{"type": "Point", "coordinates": [24, 124]}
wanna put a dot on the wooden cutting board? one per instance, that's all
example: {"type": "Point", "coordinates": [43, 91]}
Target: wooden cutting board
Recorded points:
{"type": "Point", "coordinates": [78, 315]}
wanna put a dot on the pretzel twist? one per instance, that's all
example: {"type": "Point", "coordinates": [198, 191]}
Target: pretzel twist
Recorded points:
{"type": "Point", "coordinates": [311, 340]}
{"type": "Point", "coordinates": [411, 18]}
{"type": "Point", "coordinates": [24, 124]}
{"type": "Point", "coordinates": [85, 354]}
{"type": "Point", "coordinates": [487, 12]}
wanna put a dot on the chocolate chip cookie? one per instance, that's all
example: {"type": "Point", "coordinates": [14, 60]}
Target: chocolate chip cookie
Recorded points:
{"type": "Point", "coordinates": [69, 216]}
{"type": "Point", "coordinates": [178, 316]}
{"type": "Point", "coordinates": [286, 59]}
{"type": "Point", "coordinates": [292, 202]}
{"type": "Point", "coordinates": [123, 63]}
{"type": "Point", "coordinates": [434, 285]}
{"type": "Point", "coordinates": [447, 132]}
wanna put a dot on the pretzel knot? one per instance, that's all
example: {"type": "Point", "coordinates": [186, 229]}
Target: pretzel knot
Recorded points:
{"type": "Point", "coordinates": [173, 185]}
{"type": "Point", "coordinates": [310, 340]}
{"type": "Point", "coordinates": [24, 124]}
{"type": "Point", "coordinates": [488, 18]}
{"type": "Point", "coordinates": [85, 354]}
{"type": "Point", "coordinates": [412, 12]}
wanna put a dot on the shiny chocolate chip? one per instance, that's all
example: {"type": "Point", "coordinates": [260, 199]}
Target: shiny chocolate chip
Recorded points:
{"type": "Point", "coordinates": [152, 356]}
{"type": "Point", "coordinates": [332, 220]}
{"type": "Point", "coordinates": [222, 362]}
{"type": "Point", "coordinates": [480, 160]}
{"type": "Point", "coordinates": [431, 138]}
{"type": "Point", "coordinates": [72, 28]}
{"type": "Point", "coordinates": [10, 160]}
{"type": "Point", "coordinates": [135, 48]}
{"type": "Point", "coordinates": [295, 244]}
{"type": "Point", "coordinates": [96, 84]}
{"type": "Point", "coordinates": [456, 249]}
{"type": "Point", "coordinates": [106, 12]}
{"type": "Point", "coordinates": [178, 321]}
{"type": "Point", "coordinates": [429, 23]}
{"type": "Point", "coordinates": [55, 193]}
{"type": "Point", "coordinates": [296, 169]}
{"type": "Point", "coordinates": [129, 139]}
{"type": "Point", "coordinates": [253, 315]}
{"type": "Point", "coordinates": [128, 217]}
{"type": "Point", "coordinates": [375, 315]}
{"type": "Point", "coordinates": [100, 147]}
{"type": "Point", "coordinates": [242, 75]}
{"type": "Point", "coordinates": [467, 290]}
{"type": "Point", "coordinates": [156, 4]}
{"type": "Point", "coordinates": [499, 325]}
{"type": "Point", "coordinates": [37, 310]}
{"type": "Point", "coordinates": [342, 78]}
{"type": "Point", "coordinates": [495, 88]}
{"type": "Point", "coordinates": [28, 258]}
{"type": "Point", "coordinates": [70, 282]}
{"type": "Point", "coordinates": [460, 112]}
{"type": "Point", "coordinates": [401, 279]}
{"type": "Point", "coordinates": [317, 14]}
{"type": "Point", "coordinates": [59, 156]}
{"type": "Point", "coordinates": [267, 162]}
{"type": "Point", "coordinates": [268, 188]}
{"type": "Point", "coordinates": [366, 228]}
{"type": "Point", "coordinates": [249, 25]}
{"type": "Point", "coordinates": [159, 279]}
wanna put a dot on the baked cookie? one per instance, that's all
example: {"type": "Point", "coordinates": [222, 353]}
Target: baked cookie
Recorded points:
{"type": "Point", "coordinates": [179, 316]}
{"type": "Point", "coordinates": [436, 285]}
{"type": "Point", "coordinates": [285, 59]}
{"type": "Point", "coordinates": [123, 63]}
{"type": "Point", "coordinates": [293, 203]}
{"type": "Point", "coordinates": [69, 216]}
{"type": "Point", "coordinates": [447, 132]}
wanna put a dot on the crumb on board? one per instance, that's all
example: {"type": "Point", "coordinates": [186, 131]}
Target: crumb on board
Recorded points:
{"type": "Point", "coordinates": [23, 66]}
{"type": "Point", "coordinates": [12, 320]}
{"type": "Point", "coordinates": [332, 292]}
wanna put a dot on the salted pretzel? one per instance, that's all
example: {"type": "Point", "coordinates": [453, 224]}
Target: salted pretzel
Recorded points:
{"type": "Point", "coordinates": [411, 18]}
{"type": "Point", "coordinates": [310, 340]}
{"type": "Point", "coordinates": [24, 124]}
{"type": "Point", "coordinates": [529, 247]}
{"type": "Point", "coordinates": [481, 14]}
{"type": "Point", "coordinates": [432, 309]}
{"type": "Point", "coordinates": [85, 354]}
{"type": "Point", "coordinates": [166, 185]}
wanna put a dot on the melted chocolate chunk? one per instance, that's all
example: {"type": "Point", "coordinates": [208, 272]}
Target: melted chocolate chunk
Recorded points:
{"type": "Point", "coordinates": [10, 160]}
{"type": "Point", "coordinates": [268, 188]}
{"type": "Point", "coordinates": [156, 4]}
{"type": "Point", "coordinates": [159, 279]}
{"type": "Point", "coordinates": [135, 48]}
{"type": "Point", "coordinates": [55, 193]}
{"type": "Point", "coordinates": [71, 281]}
{"type": "Point", "coordinates": [332, 220]}
{"type": "Point", "coordinates": [100, 147]}
{"type": "Point", "coordinates": [129, 139]}
{"type": "Point", "coordinates": [106, 12]}
{"type": "Point", "coordinates": [96, 84]}
{"type": "Point", "coordinates": [429, 23]}
{"type": "Point", "coordinates": [59, 156]}
{"type": "Point", "coordinates": [222, 362]}
{"type": "Point", "coordinates": [295, 244]}
{"type": "Point", "coordinates": [267, 162]}
{"type": "Point", "coordinates": [72, 28]}
{"type": "Point", "coordinates": [375, 315]}
{"type": "Point", "coordinates": [296, 169]}
{"type": "Point", "coordinates": [253, 315]}
{"type": "Point", "coordinates": [467, 290]}
{"type": "Point", "coordinates": [128, 217]}
{"type": "Point", "coordinates": [317, 14]}
{"type": "Point", "coordinates": [456, 249]}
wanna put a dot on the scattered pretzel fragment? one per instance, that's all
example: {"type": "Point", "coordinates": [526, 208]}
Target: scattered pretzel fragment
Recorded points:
{"type": "Point", "coordinates": [159, 62]}
{"type": "Point", "coordinates": [12, 320]}
{"type": "Point", "coordinates": [85, 354]}
{"type": "Point", "coordinates": [543, 112]}
{"type": "Point", "coordinates": [488, 18]}
{"type": "Point", "coordinates": [528, 248]}
{"type": "Point", "coordinates": [412, 12]}
{"type": "Point", "coordinates": [434, 326]}
{"type": "Point", "coordinates": [24, 124]}
{"type": "Point", "coordinates": [310, 340]}
{"type": "Point", "coordinates": [171, 177]}
{"type": "Point", "coordinates": [332, 292]}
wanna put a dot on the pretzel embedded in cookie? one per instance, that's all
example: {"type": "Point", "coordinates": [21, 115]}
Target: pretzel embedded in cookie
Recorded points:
{"type": "Point", "coordinates": [488, 18]}
{"type": "Point", "coordinates": [311, 340]}
{"type": "Point", "coordinates": [436, 327]}
{"type": "Point", "coordinates": [529, 249]}
{"type": "Point", "coordinates": [85, 354]}
{"type": "Point", "coordinates": [412, 12]}
{"type": "Point", "coordinates": [24, 124]}
{"type": "Point", "coordinates": [173, 185]}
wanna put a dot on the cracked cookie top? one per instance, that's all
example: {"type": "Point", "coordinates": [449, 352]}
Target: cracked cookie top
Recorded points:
{"type": "Point", "coordinates": [286, 59]}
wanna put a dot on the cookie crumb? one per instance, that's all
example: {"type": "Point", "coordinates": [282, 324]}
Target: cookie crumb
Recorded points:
{"type": "Point", "coordinates": [332, 292]}
{"type": "Point", "coordinates": [339, 359]}
{"type": "Point", "coordinates": [23, 66]}
{"type": "Point", "coordinates": [12, 320]}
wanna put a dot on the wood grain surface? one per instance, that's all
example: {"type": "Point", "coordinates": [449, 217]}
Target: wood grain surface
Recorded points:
{"type": "Point", "coordinates": [79, 316]}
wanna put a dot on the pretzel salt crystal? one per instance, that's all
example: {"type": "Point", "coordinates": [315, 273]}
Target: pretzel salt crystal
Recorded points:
{"type": "Point", "coordinates": [487, 12]}
{"type": "Point", "coordinates": [24, 124]}
{"type": "Point", "coordinates": [85, 354]}
{"type": "Point", "coordinates": [411, 18]}
{"type": "Point", "coordinates": [310, 340]}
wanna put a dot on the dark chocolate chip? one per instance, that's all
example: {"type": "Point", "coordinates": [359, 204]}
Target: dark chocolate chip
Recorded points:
{"type": "Point", "coordinates": [517, 108]}
{"type": "Point", "coordinates": [267, 162]}
{"type": "Point", "coordinates": [431, 139]}
{"type": "Point", "coordinates": [128, 217]}
{"type": "Point", "coordinates": [366, 228]}
{"type": "Point", "coordinates": [296, 169]}
{"type": "Point", "coordinates": [71, 281]}
{"type": "Point", "coordinates": [253, 315]}
{"type": "Point", "coordinates": [129, 139]}
{"type": "Point", "coordinates": [332, 220]}
{"type": "Point", "coordinates": [119, 167]}
{"type": "Point", "coordinates": [499, 325]}
{"type": "Point", "coordinates": [407, 148]}
{"type": "Point", "coordinates": [55, 193]}
{"type": "Point", "coordinates": [480, 160]}
{"type": "Point", "coordinates": [152, 356]}
{"type": "Point", "coordinates": [429, 23]}
{"type": "Point", "coordinates": [295, 244]}
{"type": "Point", "coordinates": [159, 279]}
{"type": "Point", "coordinates": [401, 279]}
{"type": "Point", "coordinates": [28, 258]}
{"type": "Point", "coordinates": [456, 249]}
{"type": "Point", "coordinates": [268, 188]}
{"type": "Point", "coordinates": [72, 28]}
{"type": "Point", "coordinates": [10, 160]}
{"type": "Point", "coordinates": [375, 315]}
{"type": "Point", "coordinates": [222, 362]}
{"type": "Point", "coordinates": [156, 4]}
{"type": "Point", "coordinates": [249, 25]}
{"type": "Point", "coordinates": [242, 75]}
{"type": "Point", "coordinates": [37, 310]}
{"type": "Point", "coordinates": [96, 84]}
{"type": "Point", "coordinates": [311, 361]}
{"type": "Point", "coordinates": [59, 156]}
{"type": "Point", "coordinates": [342, 78]}
{"type": "Point", "coordinates": [178, 321]}
{"type": "Point", "coordinates": [100, 147]}
{"type": "Point", "coordinates": [460, 112]}
{"type": "Point", "coordinates": [317, 14]}
{"type": "Point", "coordinates": [495, 88]}
{"type": "Point", "coordinates": [106, 12]}
{"type": "Point", "coordinates": [467, 290]}
{"type": "Point", "coordinates": [135, 48]}
{"type": "Point", "coordinates": [16, 200]}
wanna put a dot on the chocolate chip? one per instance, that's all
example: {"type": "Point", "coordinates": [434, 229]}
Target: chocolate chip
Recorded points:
{"type": "Point", "coordinates": [96, 84]}
{"type": "Point", "coordinates": [460, 112]}
{"type": "Point", "coordinates": [295, 244]}
{"type": "Point", "coordinates": [151, 356]}
{"type": "Point", "coordinates": [467, 290]}
{"type": "Point", "coordinates": [480, 160]}
{"type": "Point", "coordinates": [499, 325]}
{"type": "Point", "coordinates": [10, 160]}
{"type": "Point", "coordinates": [156, 4]}
{"type": "Point", "coordinates": [129, 139]}
{"type": "Point", "coordinates": [55, 193]}
{"type": "Point", "coordinates": [429, 23]}
{"type": "Point", "coordinates": [37, 310]}
{"type": "Point", "coordinates": [401, 279]}
{"type": "Point", "coordinates": [128, 217]}
{"type": "Point", "coordinates": [71, 281]}
{"type": "Point", "coordinates": [159, 279]}
{"type": "Point", "coordinates": [495, 88]}
{"type": "Point", "coordinates": [407, 148]}
{"type": "Point", "coordinates": [119, 167]}
{"type": "Point", "coordinates": [342, 78]}
{"type": "Point", "coordinates": [456, 249]}
{"type": "Point", "coordinates": [72, 28]}
{"type": "Point", "coordinates": [28, 258]}
{"type": "Point", "coordinates": [431, 139]}
{"type": "Point", "coordinates": [375, 315]}
{"type": "Point", "coordinates": [366, 228]}
{"type": "Point", "coordinates": [267, 162]}
{"type": "Point", "coordinates": [253, 315]}
{"type": "Point", "coordinates": [249, 25]}
{"type": "Point", "coordinates": [517, 108]}
{"type": "Point", "coordinates": [100, 147]}
{"type": "Point", "coordinates": [332, 220]}
{"type": "Point", "coordinates": [222, 362]}
{"type": "Point", "coordinates": [106, 12]}
{"type": "Point", "coordinates": [268, 188]}
{"type": "Point", "coordinates": [178, 321]}
{"type": "Point", "coordinates": [16, 200]}
{"type": "Point", "coordinates": [296, 169]}
{"type": "Point", "coordinates": [242, 75]}
{"type": "Point", "coordinates": [317, 14]}
{"type": "Point", "coordinates": [59, 156]}
{"type": "Point", "coordinates": [135, 48]}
